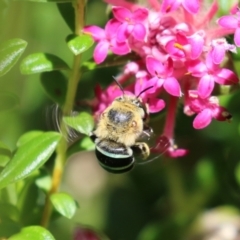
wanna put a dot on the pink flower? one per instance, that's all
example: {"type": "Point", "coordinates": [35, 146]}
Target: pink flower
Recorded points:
{"type": "Point", "coordinates": [209, 73]}
{"type": "Point", "coordinates": [192, 6]}
{"type": "Point", "coordinates": [150, 96]}
{"type": "Point", "coordinates": [83, 233]}
{"type": "Point", "coordinates": [106, 40]}
{"type": "Point", "coordinates": [131, 23]}
{"type": "Point", "coordinates": [206, 110]}
{"type": "Point", "coordinates": [219, 48]}
{"type": "Point", "coordinates": [232, 22]}
{"type": "Point", "coordinates": [162, 75]}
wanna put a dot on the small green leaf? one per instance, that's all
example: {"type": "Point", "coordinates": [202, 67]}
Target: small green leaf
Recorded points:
{"type": "Point", "coordinates": [10, 52]}
{"type": "Point", "coordinates": [85, 144]}
{"type": "Point", "coordinates": [42, 62]}
{"type": "Point", "coordinates": [64, 204]}
{"type": "Point", "coordinates": [83, 122]}
{"type": "Point", "coordinates": [55, 85]}
{"type": "Point", "coordinates": [5, 154]}
{"type": "Point", "coordinates": [29, 157]}
{"type": "Point", "coordinates": [8, 101]}
{"type": "Point", "coordinates": [28, 136]}
{"type": "Point", "coordinates": [44, 181]}
{"type": "Point", "coordinates": [79, 44]}
{"type": "Point", "coordinates": [33, 233]}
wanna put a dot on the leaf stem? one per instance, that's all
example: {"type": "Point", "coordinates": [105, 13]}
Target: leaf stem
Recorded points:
{"type": "Point", "coordinates": [66, 109]}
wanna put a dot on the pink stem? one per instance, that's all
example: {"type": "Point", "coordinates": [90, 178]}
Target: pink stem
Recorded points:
{"type": "Point", "coordinates": [170, 119]}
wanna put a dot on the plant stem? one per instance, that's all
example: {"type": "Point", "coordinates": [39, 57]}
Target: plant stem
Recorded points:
{"type": "Point", "coordinates": [66, 109]}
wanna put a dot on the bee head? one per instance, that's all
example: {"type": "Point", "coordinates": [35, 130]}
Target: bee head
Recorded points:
{"type": "Point", "coordinates": [135, 100]}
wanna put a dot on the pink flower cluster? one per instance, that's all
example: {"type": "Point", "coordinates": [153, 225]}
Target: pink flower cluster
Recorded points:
{"type": "Point", "coordinates": [178, 52]}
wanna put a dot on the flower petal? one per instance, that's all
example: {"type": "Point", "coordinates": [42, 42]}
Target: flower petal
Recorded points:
{"type": "Point", "coordinates": [139, 31]}
{"type": "Point", "coordinates": [229, 21]}
{"type": "Point", "coordinates": [121, 14]}
{"type": "Point", "coordinates": [179, 152]}
{"type": "Point", "coordinates": [226, 77]}
{"type": "Point", "coordinates": [203, 119]}
{"type": "Point", "coordinates": [155, 105]}
{"type": "Point", "coordinates": [171, 85]}
{"type": "Point", "coordinates": [140, 14]}
{"type": "Point", "coordinates": [170, 5]}
{"type": "Point", "coordinates": [197, 41]}
{"type": "Point", "coordinates": [217, 54]}
{"type": "Point", "coordinates": [100, 51]}
{"type": "Point", "coordinates": [237, 37]}
{"type": "Point", "coordinates": [119, 48]}
{"type": "Point", "coordinates": [123, 33]}
{"type": "Point", "coordinates": [153, 66]}
{"type": "Point", "coordinates": [205, 86]}
{"type": "Point", "coordinates": [96, 32]}
{"type": "Point", "coordinates": [112, 27]}
{"type": "Point", "coordinates": [192, 6]}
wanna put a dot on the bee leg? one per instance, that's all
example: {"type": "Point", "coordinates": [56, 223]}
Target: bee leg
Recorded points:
{"type": "Point", "coordinates": [93, 136]}
{"type": "Point", "coordinates": [141, 148]}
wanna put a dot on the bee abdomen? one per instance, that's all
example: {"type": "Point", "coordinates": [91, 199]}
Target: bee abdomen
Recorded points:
{"type": "Point", "coordinates": [114, 157]}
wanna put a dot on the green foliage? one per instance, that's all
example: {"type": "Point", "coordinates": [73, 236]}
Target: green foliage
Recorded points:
{"type": "Point", "coordinates": [5, 154]}
{"type": "Point", "coordinates": [33, 232]}
{"type": "Point", "coordinates": [83, 122]}
{"type": "Point", "coordinates": [164, 199]}
{"type": "Point", "coordinates": [64, 204]}
{"type": "Point", "coordinates": [29, 157]}
{"type": "Point", "coordinates": [8, 101]}
{"type": "Point", "coordinates": [55, 85]}
{"type": "Point", "coordinates": [10, 52]}
{"type": "Point", "coordinates": [42, 62]}
{"type": "Point", "coordinates": [79, 44]}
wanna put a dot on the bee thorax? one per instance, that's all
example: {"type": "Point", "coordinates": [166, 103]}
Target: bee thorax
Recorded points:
{"type": "Point", "coordinates": [119, 117]}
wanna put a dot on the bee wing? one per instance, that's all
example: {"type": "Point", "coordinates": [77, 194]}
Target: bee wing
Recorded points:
{"type": "Point", "coordinates": [162, 144]}
{"type": "Point", "coordinates": [53, 116]}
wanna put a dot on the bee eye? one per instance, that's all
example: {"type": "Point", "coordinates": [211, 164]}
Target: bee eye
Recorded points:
{"type": "Point", "coordinates": [137, 103]}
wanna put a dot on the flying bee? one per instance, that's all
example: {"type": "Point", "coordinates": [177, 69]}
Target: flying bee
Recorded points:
{"type": "Point", "coordinates": [119, 131]}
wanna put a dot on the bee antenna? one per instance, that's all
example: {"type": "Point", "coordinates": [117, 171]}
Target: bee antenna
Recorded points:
{"type": "Point", "coordinates": [144, 90]}
{"type": "Point", "coordinates": [120, 86]}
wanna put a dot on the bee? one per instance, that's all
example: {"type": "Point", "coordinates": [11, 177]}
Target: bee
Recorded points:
{"type": "Point", "coordinates": [119, 131]}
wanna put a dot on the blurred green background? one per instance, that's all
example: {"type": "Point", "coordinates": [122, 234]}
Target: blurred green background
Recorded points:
{"type": "Point", "coordinates": [194, 197]}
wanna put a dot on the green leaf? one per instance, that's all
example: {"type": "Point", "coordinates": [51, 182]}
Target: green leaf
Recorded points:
{"type": "Point", "coordinates": [27, 201]}
{"type": "Point", "coordinates": [28, 136]}
{"type": "Point", "coordinates": [55, 85]}
{"type": "Point", "coordinates": [29, 157]}
{"type": "Point", "coordinates": [42, 62]}
{"type": "Point", "coordinates": [8, 210]}
{"type": "Point", "coordinates": [5, 154]}
{"type": "Point", "coordinates": [67, 12]}
{"type": "Point", "coordinates": [44, 181]}
{"type": "Point", "coordinates": [64, 204]}
{"type": "Point", "coordinates": [8, 227]}
{"type": "Point", "coordinates": [85, 144]}
{"type": "Point", "coordinates": [79, 43]}
{"type": "Point", "coordinates": [33, 233]}
{"type": "Point", "coordinates": [48, 1]}
{"type": "Point", "coordinates": [10, 52]}
{"type": "Point", "coordinates": [83, 122]}
{"type": "Point", "coordinates": [8, 101]}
